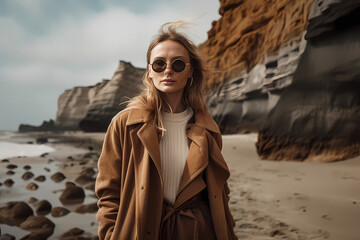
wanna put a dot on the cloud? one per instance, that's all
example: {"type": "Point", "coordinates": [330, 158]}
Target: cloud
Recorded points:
{"type": "Point", "coordinates": [78, 43]}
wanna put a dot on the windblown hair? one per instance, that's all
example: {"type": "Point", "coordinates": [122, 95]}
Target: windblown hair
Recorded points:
{"type": "Point", "coordinates": [150, 98]}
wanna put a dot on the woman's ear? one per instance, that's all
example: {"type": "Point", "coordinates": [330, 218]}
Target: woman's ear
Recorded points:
{"type": "Point", "coordinates": [150, 71]}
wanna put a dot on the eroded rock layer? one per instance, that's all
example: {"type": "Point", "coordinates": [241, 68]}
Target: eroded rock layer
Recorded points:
{"type": "Point", "coordinates": [125, 84]}
{"type": "Point", "coordinates": [256, 46]}
{"type": "Point", "coordinates": [73, 105]}
{"type": "Point", "coordinates": [249, 31]}
{"type": "Point", "coordinates": [318, 116]}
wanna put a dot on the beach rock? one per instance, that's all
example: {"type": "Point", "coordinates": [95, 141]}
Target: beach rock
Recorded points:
{"type": "Point", "coordinates": [72, 234]}
{"type": "Point", "coordinates": [84, 179]}
{"type": "Point", "coordinates": [32, 200]}
{"type": "Point", "coordinates": [27, 175]}
{"type": "Point", "coordinates": [45, 126]}
{"type": "Point", "coordinates": [58, 177]}
{"type": "Point", "coordinates": [35, 236]}
{"type": "Point", "coordinates": [43, 207]}
{"type": "Point", "coordinates": [59, 212]}
{"type": "Point", "coordinates": [40, 178]}
{"type": "Point", "coordinates": [27, 167]}
{"type": "Point", "coordinates": [8, 182]}
{"type": "Point", "coordinates": [47, 169]}
{"type": "Point", "coordinates": [105, 104]}
{"type": "Point", "coordinates": [41, 140]}
{"type": "Point", "coordinates": [11, 166]}
{"type": "Point", "coordinates": [69, 184]}
{"type": "Point", "coordinates": [72, 195]}
{"type": "Point", "coordinates": [44, 155]}
{"type": "Point", "coordinates": [6, 236]}
{"type": "Point", "coordinates": [87, 208]}
{"type": "Point", "coordinates": [5, 160]}
{"type": "Point", "coordinates": [15, 213]}
{"type": "Point", "coordinates": [10, 172]}
{"type": "Point", "coordinates": [31, 186]}
{"type": "Point", "coordinates": [317, 117]}
{"type": "Point", "coordinates": [90, 186]}
{"type": "Point", "coordinates": [38, 225]}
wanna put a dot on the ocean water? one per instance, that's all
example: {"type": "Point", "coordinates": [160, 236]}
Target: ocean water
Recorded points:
{"type": "Point", "coordinates": [13, 145]}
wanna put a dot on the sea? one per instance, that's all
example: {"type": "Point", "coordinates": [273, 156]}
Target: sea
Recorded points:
{"type": "Point", "coordinates": [13, 144]}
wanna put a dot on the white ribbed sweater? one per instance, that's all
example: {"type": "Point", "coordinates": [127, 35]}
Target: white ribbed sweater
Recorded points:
{"type": "Point", "coordinates": [174, 151]}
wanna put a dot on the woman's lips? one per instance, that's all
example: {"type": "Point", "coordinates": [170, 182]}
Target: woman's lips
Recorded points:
{"type": "Point", "coordinates": [168, 81]}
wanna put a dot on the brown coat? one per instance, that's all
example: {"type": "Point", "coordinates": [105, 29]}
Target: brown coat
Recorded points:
{"type": "Point", "coordinates": [129, 182]}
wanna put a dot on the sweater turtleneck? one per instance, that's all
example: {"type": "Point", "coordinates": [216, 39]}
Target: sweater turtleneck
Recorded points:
{"type": "Point", "coordinates": [174, 150]}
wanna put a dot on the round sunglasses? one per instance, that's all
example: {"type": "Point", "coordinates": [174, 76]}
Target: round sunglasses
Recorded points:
{"type": "Point", "coordinates": [177, 65]}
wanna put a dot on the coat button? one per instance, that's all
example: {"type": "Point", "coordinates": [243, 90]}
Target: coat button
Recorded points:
{"type": "Point", "coordinates": [142, 187]}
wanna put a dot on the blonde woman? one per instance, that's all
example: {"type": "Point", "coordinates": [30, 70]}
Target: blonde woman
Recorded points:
{"type": "Point", "coordinates": [161, 172]}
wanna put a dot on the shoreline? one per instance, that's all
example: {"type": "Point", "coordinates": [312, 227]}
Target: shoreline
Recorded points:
{"type": "Point", "coordinates": [268, 199]}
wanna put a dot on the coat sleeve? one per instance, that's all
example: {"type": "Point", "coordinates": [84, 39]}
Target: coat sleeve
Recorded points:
{"type": "Point", "coordinates": [108, 181]}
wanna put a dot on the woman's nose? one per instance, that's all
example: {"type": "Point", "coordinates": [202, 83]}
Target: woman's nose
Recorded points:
{"type": "Point", "coordinates": [168, 68]}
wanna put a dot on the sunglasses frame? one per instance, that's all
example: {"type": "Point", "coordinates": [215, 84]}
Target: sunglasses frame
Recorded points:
{"type": "Point", "coordinates": [171, 65]}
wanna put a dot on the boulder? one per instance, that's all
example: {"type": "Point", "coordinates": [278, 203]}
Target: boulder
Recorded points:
{"type": "Point", "coordinates": [9, 182]}
{"type": "Point", "coordinates": [43, 207]}
{"type": "Point", "coordinates": [31, 186]}
{"type": "Point", "coordinates": [59, 212]}
{"type": "Point", "coordinates": [11, 166]}
{"type": "Point", "coordinates": [7, 236]}
{"type": "Point", "coordinates": [40, 178]}
{"type": "Point", "coordinates": [72, 233]}
{"type": "Point", "coordinates": [14, 213]}
{"type": "Point", "coordinates": [87, 208]}
{"type": "Point", "coordinates": [58, 177]}
{"type": "Point", "coordinates": [72, 195]}
{"type": "Point", "coordinates": [27, 175]}
{"type": "Point", "coordinates": [10, 172]}
{"type": "Point", "coordinates": [38, 225]}
{"type": "Point", "coordinates": [27, 167]}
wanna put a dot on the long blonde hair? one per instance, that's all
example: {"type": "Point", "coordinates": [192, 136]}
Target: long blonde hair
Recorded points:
{"type": "Point", "coordinates": [150, 98]}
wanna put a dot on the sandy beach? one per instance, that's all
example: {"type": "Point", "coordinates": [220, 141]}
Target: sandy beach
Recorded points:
{"type": "Point", "coordinates": [269, 200]}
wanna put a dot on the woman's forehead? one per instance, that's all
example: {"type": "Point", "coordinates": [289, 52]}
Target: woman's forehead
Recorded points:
{"type": "Point", "coordinates": [169, 49]}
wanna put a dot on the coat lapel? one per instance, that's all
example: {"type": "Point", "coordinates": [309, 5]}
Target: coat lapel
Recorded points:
{"type": "Point", "coordinates": [196, 162]}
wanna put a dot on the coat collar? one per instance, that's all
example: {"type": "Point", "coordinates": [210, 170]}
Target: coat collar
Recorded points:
{"type": "Point", "coordinates": [202, 119]}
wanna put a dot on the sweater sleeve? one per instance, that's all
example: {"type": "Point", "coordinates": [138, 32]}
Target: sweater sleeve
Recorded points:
{"type": "Point", "coordinates": [107, 186]}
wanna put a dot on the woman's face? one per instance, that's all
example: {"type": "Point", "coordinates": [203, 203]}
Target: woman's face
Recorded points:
{"type": "Point", "coordinates": [170, 81]}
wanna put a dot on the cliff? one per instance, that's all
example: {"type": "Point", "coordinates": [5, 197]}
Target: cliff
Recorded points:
{"type": "Point", "coordinates": [125, 84]}
{"type": "Point", "coordinates": [317, 117]}
{"type": "Point", "coordinates": [73, 105]}
{"type": "Point", "coordinates": [251, 54]}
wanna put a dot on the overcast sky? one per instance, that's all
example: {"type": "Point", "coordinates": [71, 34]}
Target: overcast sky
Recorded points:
{"type": "Point", "coordinates": [48, 46]}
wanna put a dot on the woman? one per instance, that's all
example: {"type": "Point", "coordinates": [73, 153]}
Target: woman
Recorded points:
{"type": "Point", "coordinates": [161, 172]}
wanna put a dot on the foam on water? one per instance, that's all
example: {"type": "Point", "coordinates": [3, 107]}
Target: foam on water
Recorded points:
{"type": "Point", "coordinates": [8, 150]}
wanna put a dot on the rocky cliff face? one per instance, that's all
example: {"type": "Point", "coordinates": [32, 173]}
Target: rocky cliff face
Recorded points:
{"type": "Point", "coordinates": [73, 105]}
{"type": "Point", "coordinates": [106, 103]}
{"type": "Point", "coordinates": [91, 108]}
{"type": "Point", "coordinates": [251, 55]}
{"type": "Point", "coordinates": [318, 116]}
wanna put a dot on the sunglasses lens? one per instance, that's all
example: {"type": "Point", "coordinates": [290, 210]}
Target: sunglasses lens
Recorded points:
{"type": "Point", "coordinates": [159, 66]}
{"type": "Point", "coordinates": [178, 65]}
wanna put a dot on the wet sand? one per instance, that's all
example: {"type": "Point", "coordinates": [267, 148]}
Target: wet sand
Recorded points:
{"type": "Point", "coordinates": [291, 200]}
{"type": "Point", "coordinates": [269, 200]}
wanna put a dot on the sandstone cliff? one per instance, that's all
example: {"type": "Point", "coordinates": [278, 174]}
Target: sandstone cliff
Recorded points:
{"type": "Point", "coordinates": [318, 116]}
{"type": "Point", "coordinates": [73, 105]}
{"type": "Point", "coordinates": [251, 54]}
{"type": "Point", "coordinates": [125, 84]}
